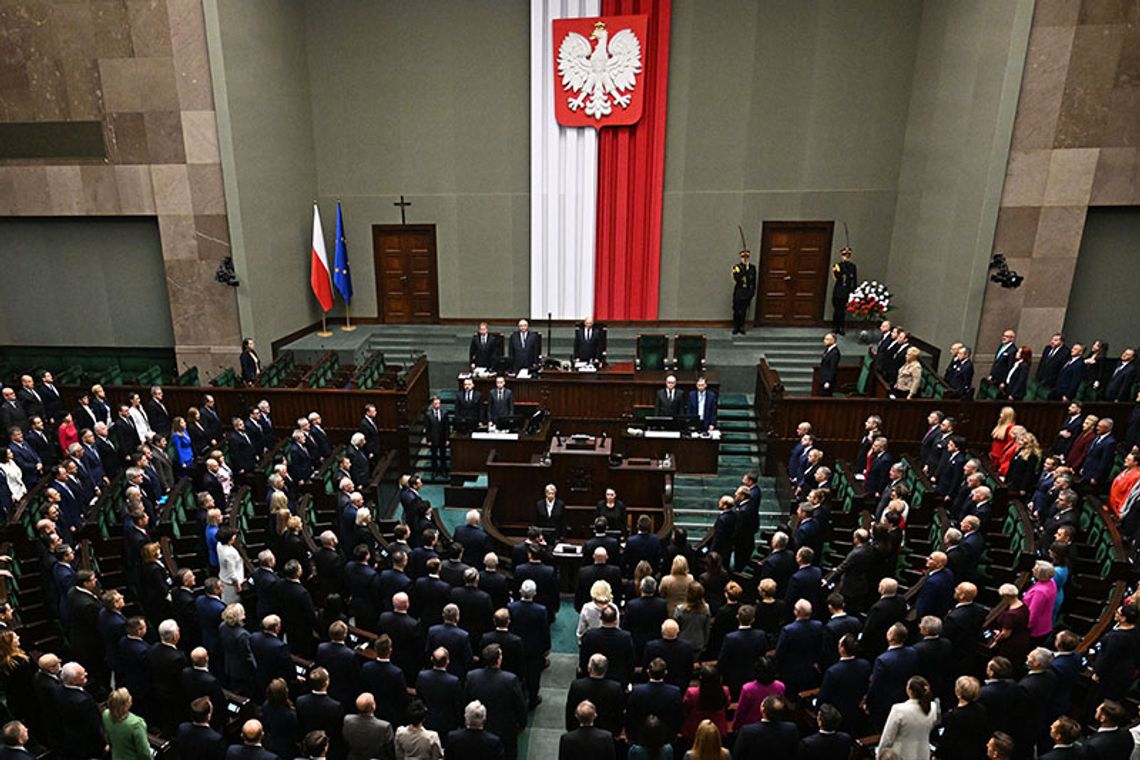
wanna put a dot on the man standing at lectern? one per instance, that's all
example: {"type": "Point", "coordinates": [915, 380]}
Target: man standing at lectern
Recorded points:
{"type": "Point", "coordinates": [501, 403]}
{"type": "Point", "coordinates": [550, 512]}
{"type": "Point", "coordinates": [587, 343]}
{"type": "Point", "coordinates": [469, 402]}
{"type": "Point", "coordinates": [524, 348]}
{"type": "Point", "coordinates": [702, 403]}
{"type": "Point", "coordinates": [485, 348]}
{"type": "Point", "coordinates": [437, 424]}
{"type": "Point", "coordinates": [670, 401]}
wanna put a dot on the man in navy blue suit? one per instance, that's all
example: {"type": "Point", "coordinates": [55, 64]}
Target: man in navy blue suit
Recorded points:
{"type": "Point", "coordinates": [274, 660]}
{"type": "Point", "coordinates": [809, 532]}
{"type": "Point", "coordinates": [845, 683]}
{"type": "Point", "coordinates": [797, 650]}
{"type": "Point", "coordinates": [454, 639]}
{"type": "Point", "coordinates": [530, 623]}
{"type": "Point", "coordinates": [878, 471]}
{"type": "Point", "coordinates": [1098, 463]}
{"type": "Point", "coordinates": [643, 545]}
{"type": "Point", "coordinates": [545, 580]}
{"type": "Point", "coordinates": [442, 693]}
{"type": "Point", "coordinates": [795, 459]}
{"type": "Point", "coordinates": [525, 348]}
{"type": "Point", "coordinates": [937, 592]}
{"type": "Point", "coordinates": [250, 748]}
{"type": "Point", "coordinates": [337, 657]}
{"type": "Point", "coordinates": [702, 403]}
{"type": "Point", "coordinates": [385, 680]}
{"type": "Point", "coordinates": [772, 736]}
{"type": "Point", "coordinates": [829, 742]}
{"type": "Point", "coordinates": [476, 542]}
{"type": "Point", "coordinates": [804, 583]}
{"type": "Point", "coordinates": [677, 654]}
{"type": "Point", "coordinates": [892, 669]}
{"type": "Point", "coordinates": [654, 698]}
{"type": "Point", "coordinates": [740, 651]}
{"type": "Point", "coordinates": [1069, 376]}
{"type": "Point", "coordinates": [1121, 380]}
{"type": "Point", "coordinates": [724, 528]}
{"type": "Point", "coordinates": [195, 738]}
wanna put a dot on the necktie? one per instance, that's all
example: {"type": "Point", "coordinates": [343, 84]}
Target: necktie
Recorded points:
{"type": "Point", "coordinates": [469, 397]}
{"type": "Point", "coordinates": [587, 336]}
{"type": "Point", "coordinates": [484, 340]}
{"type": "Point", "coordinates": [1118, 369]}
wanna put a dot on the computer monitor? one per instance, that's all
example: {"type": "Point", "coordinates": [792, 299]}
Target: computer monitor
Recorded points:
{"type": "Point", "coordinates": [511, 423]}
{"type": "Point", "coordinates": [661, 423]}
{"type": "Point", "coordinates": [536, 421]}
{"type": "Point", "coordinates": [690, 423]}
{"type": "Point", "coordinates": [464, 425]}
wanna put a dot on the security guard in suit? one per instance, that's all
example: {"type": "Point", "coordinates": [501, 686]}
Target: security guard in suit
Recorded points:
{"type": "Point", "coordinates": [744, 287]}
{"type": "Point", "coordinates": [846, 278]}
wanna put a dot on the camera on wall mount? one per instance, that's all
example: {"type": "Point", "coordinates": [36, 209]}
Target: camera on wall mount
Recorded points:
{"type": "Point", "coordinates": [225, 274]}
{"type": "Point", "coordinates": [1004, 276]}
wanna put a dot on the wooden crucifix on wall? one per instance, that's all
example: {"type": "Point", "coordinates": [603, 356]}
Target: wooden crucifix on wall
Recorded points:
{"type": "Point", "coordinates": [403, 204]}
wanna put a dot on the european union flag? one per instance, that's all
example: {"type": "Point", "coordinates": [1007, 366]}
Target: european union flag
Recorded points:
{"type": "Point", "coordinates": [342, 278]}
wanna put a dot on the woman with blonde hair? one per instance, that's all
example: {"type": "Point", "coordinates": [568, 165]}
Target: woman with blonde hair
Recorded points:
{"type": "Point", "coordinates": [126, 732]}
{"type": "Point", "coordinates": [1007, 418]}
{"type": "Point", "coordinates": [601, 596]}
{"type": "Point", "coordinates": [1012, 446]}
{"type": "Point", "coordinates": [769, 609]}
{"type": "Point", "coordinates": [213, 525]}
{"type": "Point", "coordinates": [909, 379]}
{"type": "Point", "coordinates": [675, 585]}
{"type": "Point", "coordinates": [1021, 476]}
{"type": "Point", "coordinates": [240, 664]}
{"type": "Point", "coordinates": [17, 672]}
{"type": "Point", "coordinates": [293, 544]}
{"type": "Point", "coordinates": [231, 569]}
{"type": "Point", "coordinates": [706, 744]}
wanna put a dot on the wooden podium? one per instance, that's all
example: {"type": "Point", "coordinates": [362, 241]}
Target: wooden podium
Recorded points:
{"type": "Point", "coordinates": [582, 472]}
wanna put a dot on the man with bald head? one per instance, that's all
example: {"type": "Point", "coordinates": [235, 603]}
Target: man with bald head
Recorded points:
{"type": "Point", "coordinates": [48, 689]}
{"type": "Point", "coordinates": [77, 716]}
{"type": "Point", "coordinates": [605, 693]}
{"type": "Point", "coordinates": [600, 570]}
{"type": "Point", "coordinates": [963, 626]}
{"type": "Point", "coordinates": [677, 653]}
{"type": "Point", "coordinates": [798, 649]}
{"type": "Point", "coordinates": [442, 694]}
{"type": "Point", "coordinates": [197, 681]}
{"type": "Point", "coordinates": [274, 657]}
{"type": "Point", "coordinates": [888, 610]}
{"type": "Point", "coordinates": [937, 591]}
{"type": "Point", "coordinates": [250, 748]}
{"type": "Point", "coordinates": [365, 735]}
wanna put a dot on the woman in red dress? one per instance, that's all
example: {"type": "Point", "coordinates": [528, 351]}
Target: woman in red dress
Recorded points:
{"type": "Point", "coordinates": [1000, 435]}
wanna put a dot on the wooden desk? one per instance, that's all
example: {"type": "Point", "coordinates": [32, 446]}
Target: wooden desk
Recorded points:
{"type": "Point", "coordinates": [469, 453]}
{"type": "Point", "coordinates": [609, 393]}
{"type": "Point", "coordinates": [581, 476]}
{"type": "Point", "coordinates": [690, 455]}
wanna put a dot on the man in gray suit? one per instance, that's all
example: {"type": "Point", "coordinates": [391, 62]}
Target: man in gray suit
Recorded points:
{"type": "Point", "coordinates": [365, 735]}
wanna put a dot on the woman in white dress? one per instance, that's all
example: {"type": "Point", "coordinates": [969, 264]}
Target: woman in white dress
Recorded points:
{"type": "Point", "coordinates": [13, 476]}
{"type": "Point", "coordinates": [231, 570]}
{"type": "Point", "coordinates": [909, 723]}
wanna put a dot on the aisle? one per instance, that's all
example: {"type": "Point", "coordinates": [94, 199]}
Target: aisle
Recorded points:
{"type": "Point", "coordinates": [548, 721]}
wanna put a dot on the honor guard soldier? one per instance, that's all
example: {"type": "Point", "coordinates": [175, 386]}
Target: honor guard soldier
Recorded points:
{"type": "Point", "coordinates": [845, 275]}
{"type": "Point", "coordinates": [744, 287]}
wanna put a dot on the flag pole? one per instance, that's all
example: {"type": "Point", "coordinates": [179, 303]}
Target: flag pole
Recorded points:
{"type": "Point", "coordinates": [325, 332]}
{"type": "Point", "coordinates": [347, 326]}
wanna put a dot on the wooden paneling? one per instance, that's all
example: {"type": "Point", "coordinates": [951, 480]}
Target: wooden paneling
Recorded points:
{"type": "Point", "coordinates": [794, 258]}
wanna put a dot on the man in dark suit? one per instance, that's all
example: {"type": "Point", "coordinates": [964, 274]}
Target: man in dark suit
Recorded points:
{"type": "Point", "coordinates": [611, 642]}
{"type": "Point", "coordinates": [209, 607]}
{"type": "Point", "coordinates": [1112, 739]}
{"type": "Point", "coordinates": [1003, 358]}
{"type": "Point", "coordinates": [1098, 463]}
{"type": "Point", "coordinates": [474, 605]}
{"type": "Point", "coordinates": [587, 343]}
{"type": "Point", "coordinates": [514, 656]}
{"type": "Point", "coordinates": [500, 401]}
{"type": "Point", "coordinates": [165, 663]}
{"type": "Point", "coordinates": [772, 736]}
{"type": "Point", "coordinates": [385, 680]}
{"type": "Point", "coordinates": [675, 652]}
{"type": "Point", "coordinates": [392, 580]}
{"type": "Point", "coordinates": [429, 595]}
{"type": "Point", "coordinates": [962, 378]}
{"type": "Point", "coordinates": [243, 456]}
{"type": "Point", "coordinates": [702, 404]}
{"type": "Point", "coordinates": [888, 610]}
{"type": "Point", "coordinates": [530, 622]}
{"type": "Point", "coordinates": [27, 459]}
{"type": "Point", "coordinates": [156, 412]}
{"type": "Point", "coordinates": [550, 512]}
{"type": "Point", "coordinates": [78, 717]}
{"type": "Point", "coordinates": [1063, 734]}
{"type": "Point", "coordinates": [1036, 688]}
{"type": "Point", "coordinates": [454, 639]}
{"type": "Point", "coordinates": [670, 401]}
{"type": "Point", "coordinates": [437, 428]}
{"type": "Point", "coordinates": [1070, 428]}
{"type": "Point", "coordinates": [442, 694]}
{"type": "Point", "coordinates": [317, 711]}
{"type": "Point", "coordinates": [654, 698]}
{"type": "Point", "coordinates": [1053, 357]}
{"type": "Point", "coordinates": [295, 606]}
{"type": "Point", "coordinates": [828, 366]}
{"type": "Point", "coordinates": [30, 398]}
{"type": "Point", "coordinates": [494, 582]}
{"type": "Point", "coordinates": [273, 657]}
{"type": "Point", "coordinates": [780, 563]}
{"type": "Point", "coordinates": [605, 693]}
{"type": "Point", "coordinates": [38, 438]}
{"type": "Point", "coordinates": [740, 651]}
{"type": "Point", "coordinates": [502, 694]}
{"type": "Point", "coordinates": [798, 648]}
{"type": "Point", "coordinates": [82, 624]}
{"type": "Point", "coordinates": [809, 531]}
{"type": "Point", "coordinates": [196, 738]}
{"type": "Point", "coordinates": [743, 288]}
{"type": "Point", "coordinates": [935, 658]}
{"type": "Point", "coordinates": [852, 572]}
{"type": "Point", "coordinates": [829, 742]}
{"type": "Point", "coordinates": [469, 402]}
{"type": "Point", "coordinates": [132, 664]}
{"type": "Point", "coordinates": [12, 414]}
{"type": "Point", "coordinates": [838, 625]}
{"type": "Point", "coordinates": [250, 748]}
{"type": "Point", "coordinates": [937, 591]}
{"type": "Point", "coordinates": [197, 682]}
{"type": "Point", "coordinates": [1121, 380]}
{"type": "Point", "coordinates": [600, 570]}
{"type": "Point", "coordinates": [643, 545]}
{"type": "Point", "coordinates": [485, 349]}
{"type": "Point", "coordinates": [1070, 373]}
{"type": "Point", "coordinates": [892, 669]}
{"type": "Point", "coordinates": [360, 470]}
{"type": "Point", "coordinates": [124, 433]}
{"type": "Point", "coordinates": [586, 740]}
{"type": "Point", "coordinates": [845, 684]}
{"type": "Point", "coordinates": [475, 541]}
{"type": "Point", "coordinates": [644, 615]}
{"type": "Point", "coordinates": [876, 475]}
{"type": "Point", "coordinates": [473, 741]}
{"type": "Point", "coordinates": [525, 348]}
{"type": "Point", "coordinates": [405, 634]}
{"type": "Point", "coordinates": [804, 583]}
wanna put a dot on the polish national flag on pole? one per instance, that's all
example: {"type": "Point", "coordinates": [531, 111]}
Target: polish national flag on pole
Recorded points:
{"type": "Point", "coordinates": [319, 267]}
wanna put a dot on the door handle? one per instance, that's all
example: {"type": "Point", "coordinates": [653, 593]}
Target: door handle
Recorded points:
{"type": "Point", "coordinates": [788, 278]}
{"type": "Point", "coordinates": [404, 278]}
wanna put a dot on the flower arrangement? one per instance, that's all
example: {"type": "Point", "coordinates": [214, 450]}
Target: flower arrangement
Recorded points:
{"type": "Point", "coordinates": [869, 299]}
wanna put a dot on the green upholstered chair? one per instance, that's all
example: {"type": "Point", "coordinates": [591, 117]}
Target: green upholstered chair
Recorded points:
{"type": "Point", "coordinates": [689, 352]}
{"type": "Point", "coordinates": [652, 353]}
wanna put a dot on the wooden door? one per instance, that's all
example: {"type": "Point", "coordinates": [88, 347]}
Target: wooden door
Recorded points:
{"type": "Point", "coordinates": [794, 259]}
{"type": "Point", "coordinates": [406, 282]}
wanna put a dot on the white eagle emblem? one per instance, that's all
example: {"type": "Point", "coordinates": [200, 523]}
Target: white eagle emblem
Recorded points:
{"type": "Point", "coordinates": [598, 75]}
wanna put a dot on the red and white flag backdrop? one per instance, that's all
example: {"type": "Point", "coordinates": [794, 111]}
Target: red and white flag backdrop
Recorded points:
{"type": "Point", "coordinates": [598, 102]}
